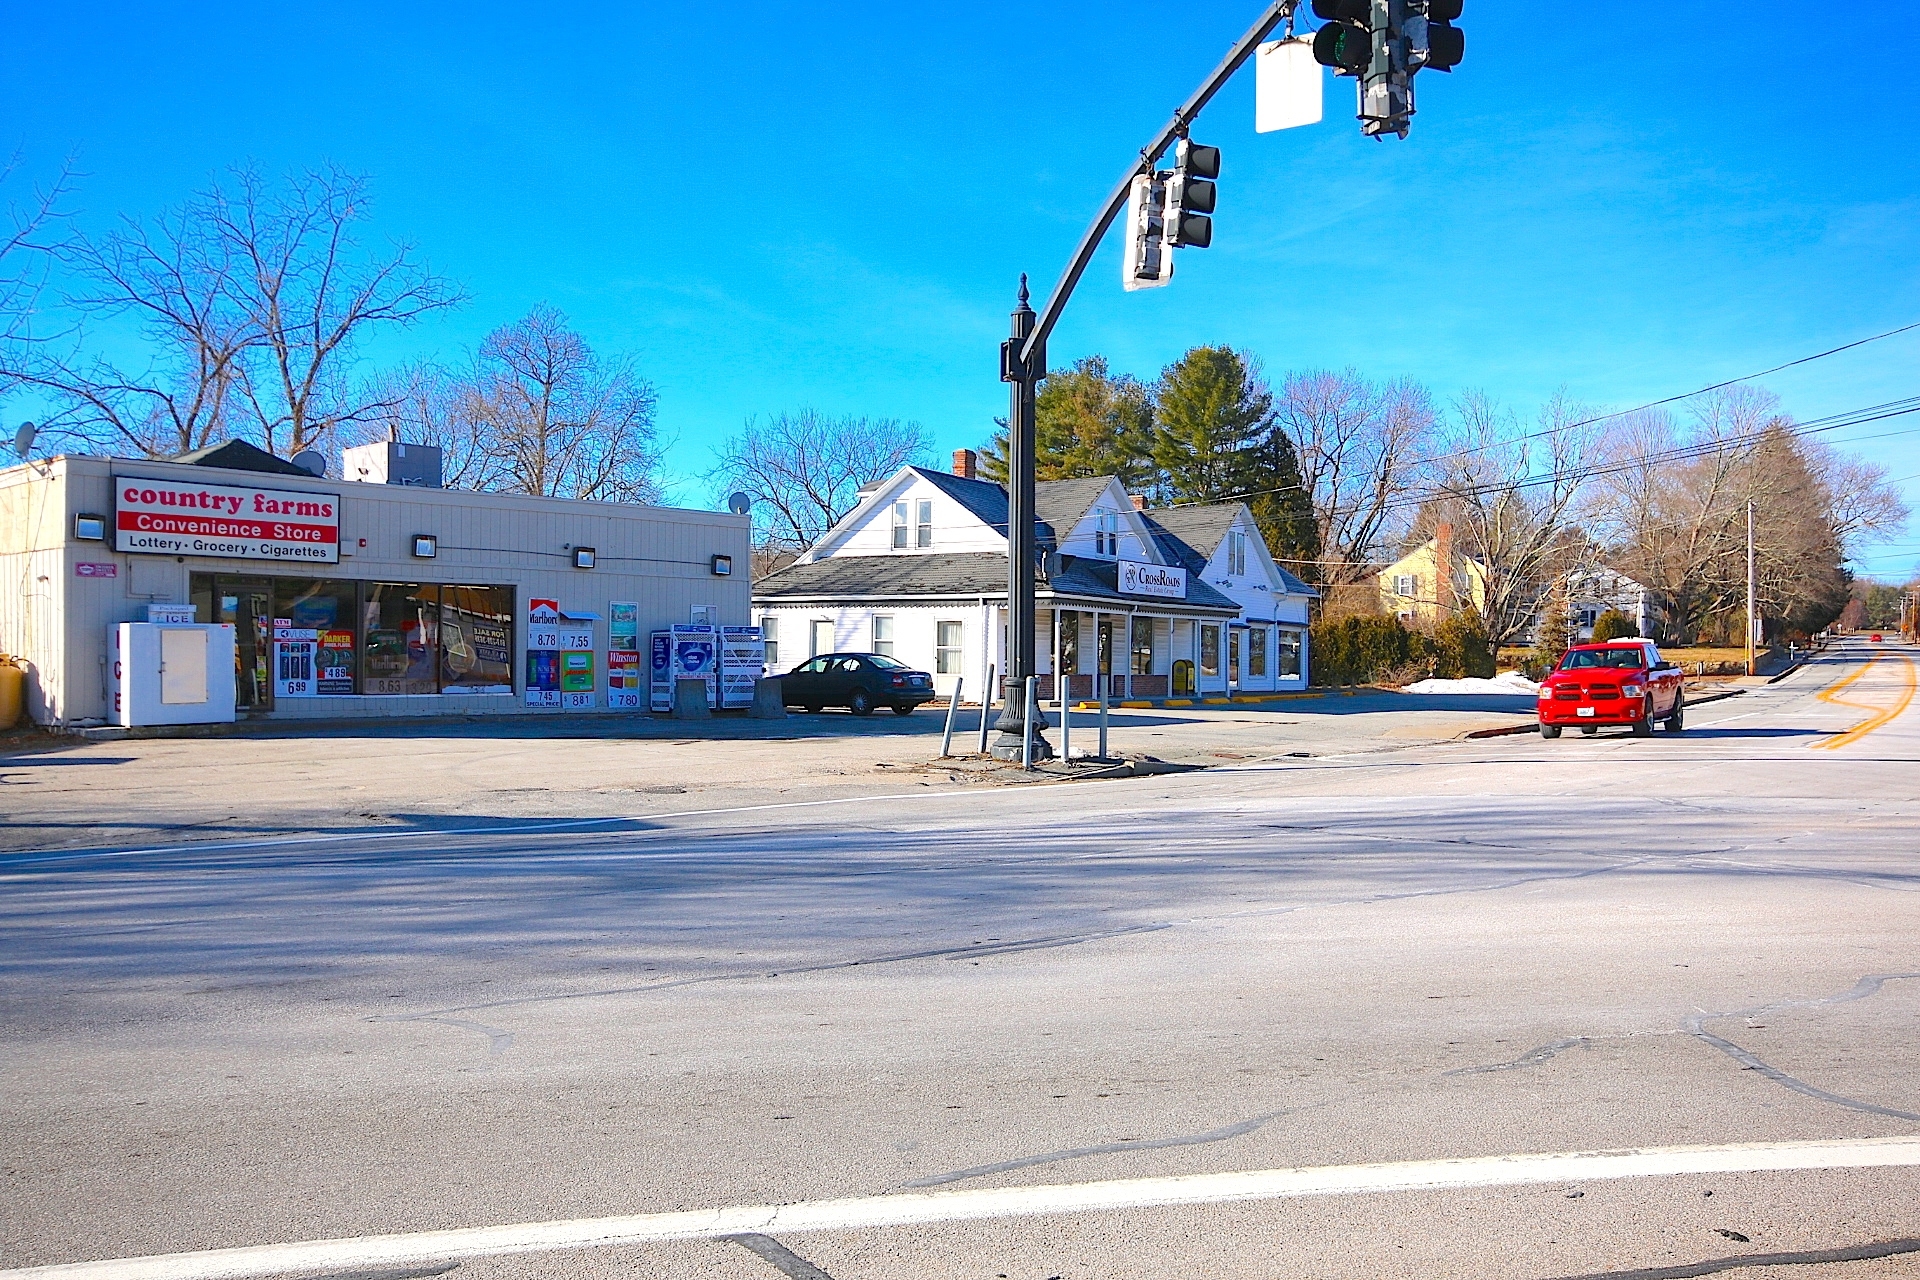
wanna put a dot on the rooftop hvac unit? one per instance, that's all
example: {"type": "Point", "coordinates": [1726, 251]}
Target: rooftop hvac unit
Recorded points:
{"type": "Point", "coordinates": [416, 466]}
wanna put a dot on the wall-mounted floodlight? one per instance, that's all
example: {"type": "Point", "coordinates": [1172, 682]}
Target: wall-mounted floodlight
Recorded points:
{"type": "Point", "coordinates": [88, 527]}
{"type": "Point", "coordinates": [583, 557]}
{"type": "Point", "coordinates": [722, 566]}
{"type": "Point", "coordinates": [425, 546]}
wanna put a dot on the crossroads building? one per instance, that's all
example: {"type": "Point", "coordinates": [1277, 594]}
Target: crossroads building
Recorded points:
{"type": "Point", "coordinates": [1177, 602]}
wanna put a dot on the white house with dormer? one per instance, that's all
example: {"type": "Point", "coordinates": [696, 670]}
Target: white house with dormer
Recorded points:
{"type": "Point", "coordinates": [918, 571]}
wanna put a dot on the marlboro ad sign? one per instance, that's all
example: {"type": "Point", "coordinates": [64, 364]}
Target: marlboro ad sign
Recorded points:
{"type": "Point", "coordinates": [175, 518]}
{"type": "Point", "coordinates": [1137, 579]}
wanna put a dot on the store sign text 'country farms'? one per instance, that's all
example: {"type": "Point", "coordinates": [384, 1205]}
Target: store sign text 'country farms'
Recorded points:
{"type": "Point", "coordinates": [176, 518]}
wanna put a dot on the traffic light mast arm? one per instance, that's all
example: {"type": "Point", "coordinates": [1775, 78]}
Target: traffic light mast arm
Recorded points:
{"type": "Point", "coordinates": [1276, 13]}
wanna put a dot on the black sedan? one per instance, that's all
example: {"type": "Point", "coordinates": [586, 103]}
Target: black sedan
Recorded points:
{"type": "Point", "coordinates": [857, 681]}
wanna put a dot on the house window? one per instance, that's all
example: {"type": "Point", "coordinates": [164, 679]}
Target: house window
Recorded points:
{"type": "Point", "coordinates": [1588, 617]}
{"type": "Point", "coordinates": [1209, 651]}
{"type": "Point", "coordinates": [883, 636]}
{"type": "Point", "coordinates": [899, 526]}
{"type": "Point", "coordinates": [770, 636]}
{"type": "Point", "coordinates": [1257, 652]}
{"type": "Point", "coordinates": [1143, 646]}
{"type": "Point", "coordinates": [1406, 585]}
{"type": "Point", "coordinates": [1236, 552]}
{"type": "Point", "coordinates": [1289, 652]}
{"type": "Point", "coordinates": [923, 525]}
{"type": "Point", "coordinates": [948, 645]}
{"type": "Point", "coordinates": [1106, 533]}
{"type": "Point", "coordinates": [822, 637]}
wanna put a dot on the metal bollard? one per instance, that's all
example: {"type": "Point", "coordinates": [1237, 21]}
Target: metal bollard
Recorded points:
{"type": "Point", "coordinates": [1066, 724]}
{"type": "Point", "coordinates": [986, 708]}
{"type": "Point", "coordinates": [1103, 721]}
{"type": "Point", "coordinates": [953, 705]}
{"type": "Point", "coordinates": [1026, 736]}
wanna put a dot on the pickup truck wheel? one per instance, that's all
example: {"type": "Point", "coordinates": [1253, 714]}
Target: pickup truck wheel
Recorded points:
{"type": "Point", "coordinates": [1549, 730]}
{"type": "Point", "coordinates": [859, 703]}
{"type": "Point", "coordinates": [1588, 730]}
{"type": "Point", "coordinates": [1643, 727]}
{"type": "Point", "coordinates": [1678, 720]}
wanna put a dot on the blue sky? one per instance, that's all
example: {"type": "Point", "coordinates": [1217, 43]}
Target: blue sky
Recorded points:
{"type": "Point", "coordinates": [829, 205]}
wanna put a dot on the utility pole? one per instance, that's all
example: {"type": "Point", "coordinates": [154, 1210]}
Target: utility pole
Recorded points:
{"type": "Point", "coordinates": [1752, 666]}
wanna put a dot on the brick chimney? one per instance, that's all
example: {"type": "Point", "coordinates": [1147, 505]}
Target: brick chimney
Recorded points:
{"type": "Point", "coordinates": [1139, 501]}
{"type": "Point", "coordinates": [1443, 594]}
{"type": "Point", "coordinates": [965, 463]}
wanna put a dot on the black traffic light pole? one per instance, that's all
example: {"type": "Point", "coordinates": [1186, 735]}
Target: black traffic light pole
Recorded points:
{"type": "Point", "coordinates": [1023, 362]}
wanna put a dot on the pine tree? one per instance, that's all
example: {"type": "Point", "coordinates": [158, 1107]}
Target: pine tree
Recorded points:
{"type": "Point", "coordinates": [1210, 409]}
{"type": "Point", "coordinates": [1087, 422]}
{"type": "Point", "coordinates": [1281, 506]}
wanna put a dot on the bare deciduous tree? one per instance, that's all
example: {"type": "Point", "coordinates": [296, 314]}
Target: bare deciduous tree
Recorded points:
{"type": "Point", "coordinates": [1359, 445]}
{"type": "Point", "coordinates": [556, 419]}
{"type": "Point", "coordinates": [308, 294]}
{"type": "Point", "coordinates": [29, 239]}
{"type": "Point", "coordinates": [250, 299]}
{"type": "Point", "coordinates": [1514, 492]}
{"type": "Point", "coordinates": [803, 470]}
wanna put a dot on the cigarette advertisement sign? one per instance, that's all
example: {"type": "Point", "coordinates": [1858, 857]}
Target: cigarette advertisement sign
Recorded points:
{"type": "Point", "coordinates": [178, 518]}
{"type": "Point", "coordinates": [577, 680]}
{"type": "Point", "coordinates": [543, 653]}
{"type": "Point", "coordinates": [623, 655]}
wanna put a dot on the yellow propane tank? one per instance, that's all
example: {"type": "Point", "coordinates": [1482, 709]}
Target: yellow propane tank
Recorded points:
{"type": "Point", "coordinates": [13, 683]}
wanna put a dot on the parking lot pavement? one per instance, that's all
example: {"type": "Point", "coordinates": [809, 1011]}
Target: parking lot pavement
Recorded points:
{"type": "Point", "coordinates": [64, 793]}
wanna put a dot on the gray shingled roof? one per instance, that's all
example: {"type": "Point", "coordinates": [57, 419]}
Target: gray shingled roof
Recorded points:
{"type": "Point", "coordinates": [938, 573]}
{"type": "Point", "coordinates": [959, 573]}
{"type": "Point", "coordinates": [1062, 504]}
{"type": "Point", "coordinates": [1190, 536]}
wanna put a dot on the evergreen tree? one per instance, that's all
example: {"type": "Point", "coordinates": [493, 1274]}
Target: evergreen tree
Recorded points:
{"type": "Point", "coordinates": [1087, 422]}
{"type": "Point", "coordinates": [1217, 439]}
{"type": "Point", "coordinates": [1210, 409]}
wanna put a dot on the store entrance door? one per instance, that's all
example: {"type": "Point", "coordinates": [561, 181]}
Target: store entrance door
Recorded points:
{"type": "Point", "coordinates": [1233, 657]}
{"type": "Point", "coordinates": [247, 603]}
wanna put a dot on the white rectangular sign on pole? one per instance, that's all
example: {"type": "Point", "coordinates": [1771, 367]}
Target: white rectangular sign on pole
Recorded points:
{"type": "Point", "coordinates": [1287, 86]}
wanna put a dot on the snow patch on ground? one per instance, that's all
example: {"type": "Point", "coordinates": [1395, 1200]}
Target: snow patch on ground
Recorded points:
{"type": "Point", "coordinates": [1508, 682]}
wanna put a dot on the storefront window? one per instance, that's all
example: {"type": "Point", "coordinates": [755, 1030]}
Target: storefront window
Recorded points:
{"type": "Point", "coordinates": [1067, 637]}
{"type": "Point", "coordinates": [476, 639]}
{"type": "Point", "coordinates": [400, 629]}
{"type": "Point", "coordinates": [324, 607]}
{"type": "Point", "coordinates": [1209, 651]}
{"type": "Point", "coordinates": [1257, 652]}
{"type": "Point", "coordinates": [1143, 646]}
{"type": "Point", "coordinates": [1289, 652]}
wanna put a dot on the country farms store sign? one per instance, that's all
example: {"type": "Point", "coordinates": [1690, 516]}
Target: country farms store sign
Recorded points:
{"type": "Point", "coordinates": [1137, 579]}
{"type": "Point", "coordinates": [167, 517]}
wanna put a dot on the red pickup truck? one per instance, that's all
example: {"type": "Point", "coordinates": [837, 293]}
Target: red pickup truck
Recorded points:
{"type": "Point", "coordinates": [1618, 682]}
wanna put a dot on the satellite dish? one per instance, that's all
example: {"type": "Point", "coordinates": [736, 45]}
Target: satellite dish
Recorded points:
{"type": "Point", "coordinates": [23, 439]}
{"type": "Point", "coordinates": [739, 503]}
{"type": "Point", "coordinates": [311, 462]}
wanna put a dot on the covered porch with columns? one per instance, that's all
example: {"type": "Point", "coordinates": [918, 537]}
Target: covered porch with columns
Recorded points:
{"type": "Point", "coordinates": [1132, 650]}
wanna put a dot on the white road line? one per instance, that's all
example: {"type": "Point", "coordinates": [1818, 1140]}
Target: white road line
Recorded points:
{"type": "Point", "coordinates": [369, 1252]}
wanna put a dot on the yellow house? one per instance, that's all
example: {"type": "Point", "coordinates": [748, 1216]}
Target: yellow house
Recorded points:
{"type": "Point", "coordinates": [1415, 589]}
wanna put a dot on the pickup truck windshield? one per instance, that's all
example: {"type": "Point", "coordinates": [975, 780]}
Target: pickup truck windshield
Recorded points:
{"type": "Point", "coordinates": [1625, 658]}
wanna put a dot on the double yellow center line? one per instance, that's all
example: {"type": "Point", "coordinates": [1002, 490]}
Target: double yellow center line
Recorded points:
{"type": "Point", "coordinates": [1881, 715]}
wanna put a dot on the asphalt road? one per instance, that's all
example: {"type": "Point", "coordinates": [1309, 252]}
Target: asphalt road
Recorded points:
{"type": "Point", "coordinates": [1459, 950]}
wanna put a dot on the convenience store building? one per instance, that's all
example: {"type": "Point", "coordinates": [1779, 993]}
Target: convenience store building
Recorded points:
{"type": "Point", "coordinates": [403, 598]}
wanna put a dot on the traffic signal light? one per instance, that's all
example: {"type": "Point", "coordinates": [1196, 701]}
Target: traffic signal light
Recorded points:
{"type": "Point", "coordinates": [1346, 42]}
{"type": "Point", "coordinates": [1191, 195]}
{"type": "Point", "coordinates": [1445, 43]}
{"type": "Point", "coordinates": [1382, 44]}
{"type": "Point", "coordinates": [1149, 259]}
